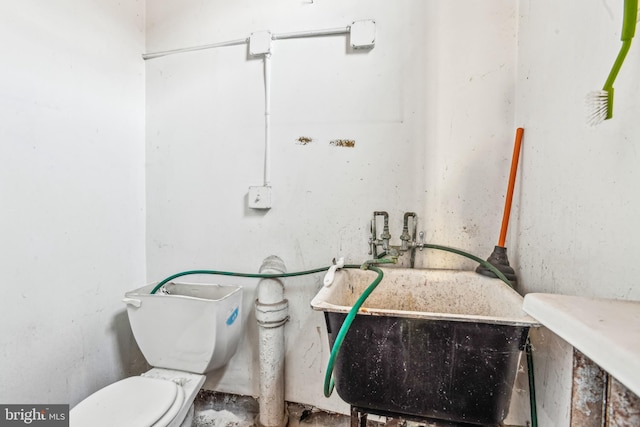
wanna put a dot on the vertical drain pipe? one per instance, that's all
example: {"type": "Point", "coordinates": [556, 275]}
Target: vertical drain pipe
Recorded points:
{"type": "Point", "coordinates": [271, 314]}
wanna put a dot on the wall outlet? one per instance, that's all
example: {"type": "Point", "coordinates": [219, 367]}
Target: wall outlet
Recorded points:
{"type": "Point", "coordinates": [260, 197]}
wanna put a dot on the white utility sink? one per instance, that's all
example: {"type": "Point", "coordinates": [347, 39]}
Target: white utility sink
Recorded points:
{"type": "Point", "coordinates": [436, 344]}
{"type": "Point", "coordinates": [427, 294]}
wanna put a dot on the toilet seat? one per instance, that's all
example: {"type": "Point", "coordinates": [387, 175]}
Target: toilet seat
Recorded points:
{"type": "Point", "coordinates": [173, 410]}
{"type": "Point", "coordinates": [132, 402]}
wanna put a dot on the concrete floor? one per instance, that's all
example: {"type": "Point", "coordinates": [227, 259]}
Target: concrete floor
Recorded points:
{"type": "Point", "coordinates": [213, 409]}
{"type": "Point", "coordinates": [224, 410]}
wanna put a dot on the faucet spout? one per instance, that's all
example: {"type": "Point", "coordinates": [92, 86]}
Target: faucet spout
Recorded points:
{"type": "Point", "coordinates": [405, 237]}
{"type": "Point", "coordinates": [385, 236]}
{"type": "Point", "coordinates": [374, 242]}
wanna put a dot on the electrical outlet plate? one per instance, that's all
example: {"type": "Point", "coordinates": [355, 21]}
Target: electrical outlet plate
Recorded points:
{"type": "Point", "coordinates": [259, 197]}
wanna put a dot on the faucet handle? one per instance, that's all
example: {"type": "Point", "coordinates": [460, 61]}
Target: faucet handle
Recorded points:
{"type": "Point", "coordinates": [421, 237]}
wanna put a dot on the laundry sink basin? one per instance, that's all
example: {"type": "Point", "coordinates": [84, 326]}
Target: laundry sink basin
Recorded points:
{"type": "Point", "coordinates": [440, 344]}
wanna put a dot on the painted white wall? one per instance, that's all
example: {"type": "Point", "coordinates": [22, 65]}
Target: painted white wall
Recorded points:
{"type": "Point", "coordinates": [430, 109]}
{"type": "Point", "coordinates": [575, 231]}
{"type": "Point", "coordinates": [71, 194]}
{"type": "Point", "coordinates": [575, 220]}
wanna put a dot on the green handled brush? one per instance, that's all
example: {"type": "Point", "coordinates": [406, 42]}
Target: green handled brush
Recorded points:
{"type": "Point", "coordinates": [600, 102]}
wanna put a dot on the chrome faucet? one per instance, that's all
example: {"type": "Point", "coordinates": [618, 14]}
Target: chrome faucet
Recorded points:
{"type": "Point", "coordinates": [383, 241]}
{"type": "Point", "coordinates": [408, 240]}
{"type": "Point", "coordinates": [405, 237]}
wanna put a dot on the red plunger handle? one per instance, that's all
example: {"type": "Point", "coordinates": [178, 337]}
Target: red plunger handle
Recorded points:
{"type": "Point", "coordinates": [512, 182]}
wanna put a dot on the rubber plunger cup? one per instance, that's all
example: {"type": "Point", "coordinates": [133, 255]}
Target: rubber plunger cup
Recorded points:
{"type": "Point", "coordinates": [499, 260]}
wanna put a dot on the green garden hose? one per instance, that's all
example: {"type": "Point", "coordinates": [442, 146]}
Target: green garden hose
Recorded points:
{"type": "Point", "coordinates": [329, 383]}
{"type": "Point", "coordinates": [532, 385]}
{"type": "Point", "coordinates": [229, 273]}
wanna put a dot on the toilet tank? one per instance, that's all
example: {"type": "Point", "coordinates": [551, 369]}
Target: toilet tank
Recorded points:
{"type": "Point", "coordinates": [194, 328]}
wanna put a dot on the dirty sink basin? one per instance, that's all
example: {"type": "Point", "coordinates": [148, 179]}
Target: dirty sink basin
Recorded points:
{"type": "Point", "coordinates": [438, 344]}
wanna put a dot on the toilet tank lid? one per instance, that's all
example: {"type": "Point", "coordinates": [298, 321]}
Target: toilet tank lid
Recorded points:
{"type": "Point", "coordinates": [134, 401]}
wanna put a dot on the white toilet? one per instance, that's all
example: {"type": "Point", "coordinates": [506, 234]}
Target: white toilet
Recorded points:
{"type": "Point", "coordinates": [184, 330]}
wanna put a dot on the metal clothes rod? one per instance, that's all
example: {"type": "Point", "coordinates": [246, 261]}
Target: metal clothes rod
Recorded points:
{"type": "Point", "coordinates": [283, 36]}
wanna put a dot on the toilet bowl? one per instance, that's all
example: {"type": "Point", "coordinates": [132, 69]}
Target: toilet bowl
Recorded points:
{"type": "Point", "coordinates": [159, 398]}
{"type": "Point", "coordinates": [184, 331]}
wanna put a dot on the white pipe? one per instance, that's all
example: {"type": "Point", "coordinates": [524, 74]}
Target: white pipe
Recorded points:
{"type": "Point", "coordinates": [194, 48]}
{"type": "Point", "coordinates": [311, 33]}
{"type": "Point", "coordinates": [267, 120]}
{"type": "Point", "coordinates": [271, 314]}
{"type": "Point", "coordinates": [282, 36]}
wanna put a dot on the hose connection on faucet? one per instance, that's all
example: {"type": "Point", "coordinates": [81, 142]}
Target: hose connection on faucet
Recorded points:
{"type": "Point", "coordinates": [367, 264]}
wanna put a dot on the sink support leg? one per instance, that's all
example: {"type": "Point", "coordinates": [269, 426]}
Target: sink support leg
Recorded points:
{"type": "Point", "coordinates": [358, 419]}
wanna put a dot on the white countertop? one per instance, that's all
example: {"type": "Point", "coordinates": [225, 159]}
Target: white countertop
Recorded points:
{"type": "Point", "coordinates": [607, 331]}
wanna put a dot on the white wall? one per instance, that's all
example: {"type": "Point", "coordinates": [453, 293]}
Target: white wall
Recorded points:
{"type": "Point", "coordinates": [430, 109]}
{"type": "Point", "coordinates": [575, 233]}
{"type": "Point", "coordinates": [71, 194]}
{"type": "Point", "coordinates": [575, 230]}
